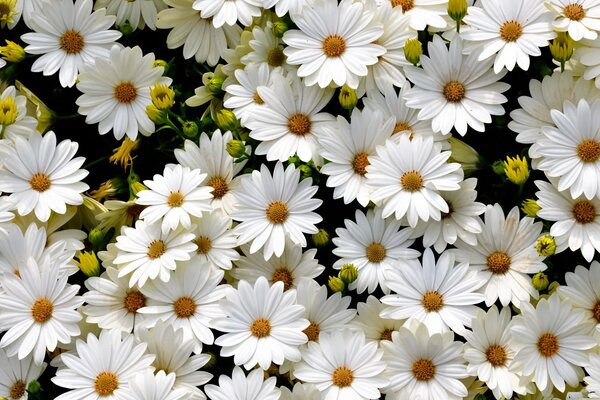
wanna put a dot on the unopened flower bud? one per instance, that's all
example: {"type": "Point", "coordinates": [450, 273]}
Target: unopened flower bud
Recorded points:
{"type": "Point", "coordinates": [12, 52]}
{"type": "Point", "coordinates": [413, 49]}
{"type": "Point", "coordinates": [190, 129]}
{"type": "Point", "coordinates": [235, 148]}
{"type": "Point", "coordinates": [349, 273]}
{"type": "Point", "coordinates": [226, 120]}
{"type": "Point", "coordinates": [561, 48]}
{"type": "Point", "coordinates": [215, 84]}
{"type": "Point", "coordinates": [468, 158]}
{"type": "Point", "coordinates": [321, 238]}
{"type": "Point", "coordinates": [336, 284]}
{"type": "Point", "coordinates": [516, 170]}
{"type": "Point", "coordinates": [279, 28]}
{"type": "Point", "coordinates": [347, 97]}
{"type": "Point", "coordinates": [457, 9]}
{"type": "Point", "coordinates": [156, 115]}
{"type": "Point", "coordinates": [96, 238]}
{"type": "Point", "coordinates": [88, 263]}
{"type": "Point", "coordinates": [546, 246]}
{"type": "Point", "coordinates": [530, 207]}
{"type": "Point", "coordinates": [540, 281]}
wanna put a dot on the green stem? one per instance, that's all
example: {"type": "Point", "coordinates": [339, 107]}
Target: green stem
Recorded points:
{"type": "Point", "coordinates": [91, 164]}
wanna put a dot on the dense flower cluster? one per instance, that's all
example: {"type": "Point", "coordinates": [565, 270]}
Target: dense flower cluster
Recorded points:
{"type": "Point", "coordinates": [299, 199]}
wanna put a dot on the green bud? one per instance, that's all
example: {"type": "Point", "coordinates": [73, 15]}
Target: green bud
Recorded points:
{"type": "Point", "coordinates": [96, 238]}
{"type": "Point", "coordinates": [215, 84]}
{"type": "Point", "coordinates": [321, 238]}
{"type": "Point", "coordinates": [349, 273]}
{"type": "Point", "coordinates": [294, 160]}
{"type": "Point", "coordinates": [125, 28]}
{"type": "Point", "coordinates": [235, 148]}
{"type": "Point", "coordinates": [540, 281]}
{"type": "Point", "coordinates": [413, 50]}
{"type": "Point", "coordinates": [457, 9]}
{"type": "Point", "coordinates": [305, 171]}
{"type": "Point", "coordinates": [480, 397]}
{"type": "Point", "coordinates": [336, 284]}
{"type": "Point", "coordinates": [226, 120]}
{"type": "Point", "coordinates": [34, 387]}
{"type": "Point", "coordinates": [279, 28]}
{"type": "Point", "coordinates": [190, 129]}
{"type": "Point", "coordinates": [212, 361]}
{"type": "Point", "coordinates": [347, 98]}
{"type": "Point", "coordinates": [498, 167]}
{"type": "Point", "coordinates": [157, 116]}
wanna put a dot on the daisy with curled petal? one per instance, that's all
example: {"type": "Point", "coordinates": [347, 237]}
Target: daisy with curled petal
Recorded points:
{"type": "Point", "coordinates": [342, 365]}
{"type": "Point", "coordinates": [577, 221]}
{"type": "Point", "coordinates": [377, 247]}
{"type": "Point", "coordinates": [439, 294]}
{"type": "Point", "coordinates": [188, 301]}
{"type": "Point", "coordinates": [583, 291]}
{"type": "Point", "coordinates": [288, 125]}
{"type": "Point", "coordinates": [102, 367]}
{"type": "Point", "coordinates": [156, 386]}
{"type": "Point", "coordinates": [199, 38]}
{"type": "Point", "coordinates": [38, 311]}
{"type": "Point", "coordinates": [407, 186]}
{"type": "Point", "coordinates": [348, 147]}
{"type": "Point", "coordinates": [369, 321]}
{"type": "Point", "coordinates": [146, 252]}
{"type": "Point", "coordinates": [505, 253]}
{"type": "Point", "coordinates": [112, 304]}
{"type": "Point", "coordinates": [291, 267]}
{"type": "Point", "coordinates": [14, 120]}
{"type": "Point", "coordinates": [175, 197]}
{"type": "Point", "coordinates": [571, 150]}
{"type": "Point", "coordinates": [423, 364]}
{"type": "Point", "coordinates": [580, 18]}
{"type": "Point", "coordinates": [116, 91]}
{"type": "Point", "coordinates": [553, 341]}
{"type": "Point", "coordinates": [511, 29]}
{"type": "Point", "coordinates": [334, 43]}
{"type": "Point", "coordinates": [263, 324]}
{"type": "Point", "coordinates": [276, 207]}
{"type": "Point", "coordinates": [228, 11]}
{"type": "Point", "coordinates": [215, 240]}
{"type": "Point", "coordinates": [242, 387]}
{"type": "Point", "coordinates": [136, 13]}
{"type": "Point", "coordinates": [242, 97]}
{"type": "Point", "coordinates": [455, 90]}
{"type": "Point", "coordinates": [69, 35]}
{"type": "Point", "coordinates": [211, 157]}
{"type": "Point", "coordinates": [43, 176]}
{"type": "Point", "coordinates": [15, 375]}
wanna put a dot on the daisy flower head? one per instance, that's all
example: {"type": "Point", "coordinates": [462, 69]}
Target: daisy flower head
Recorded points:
{"type": "Point", "coordinates": [276, 207]}
{"type": "Point", "coordinates": [505, 253]}
{"type": "Point", "coordinates": [582, 291]}
{"type": "Point", "coordinates": [553, 341]}
{"type": "Point", "coordinates": [215, 240]}
{"type": "Point", "coordinates": [589, 62]}
{"type": "Point", "coordinates": [198, 36]}
{"type": "Point", "coordinates": [228, 11]}
{"type": "Point", "coordinates": [175, 197]}
{"type": "Point", "coordinates": [342, 365]}
{"type": "Point", "coordinates": [14, 120]}
{"type": "Point", "coordinates": [15, 375]}
{"type": "Point", "coordinates": [293, 266]}
{"type": "Point", "coordinates": [116, 91]}
{"type": "Point", "coordinates": [377, 247]}
{"type": "Point", "coordinates": [455, 90]}
{"type": "Point", "coordinates": [441, 295]}
{"type": "Point", "coordinates": [288, 125]}
{"type": "Point", "coordinates": [512, 30]}
{"type": "Point", "coordinates": [409, 186]}
{"type": "Point", "coordinates": [136, 14]}
{"type": "Point", "coordinates": [68, 35]}
{"type": "Point", "coordinates": [146, 252]}
{"type": "Point", "coordinates": [263, 324]}
{"type": "Point", "coordinates": [211, 158]}
{"type": "Point", "coordinates": [580, 18]}
{"type": "Point", "coordinates": [242, 97]}
{"type": "Point", "coordinates": [188, 301]}
{"type": "Point", "coordinates": [242, 387]}
{"type": "Point", "coordinates": [102, 367]}
{"type": "Point", "coordinates": [267, 49]}
{"type": "Point", "coordinates": [38, 311]}
{"type": "Point", "coordinates": [576, 221]}
{"type": "Point", "coordinates": [348, 147]}
{"type": "Point", "coordinates": [369, 321]}
{"type": "Point", "coordinates": [423, 364]}
{"type": "Point", "coordinates": [159, 386]}
{"type": "Point", "coordinates": [570, 151]}
{"type": "Point", "coordinates": [334, 43]}
{"type": "Point", "coordinates": [43, 176]}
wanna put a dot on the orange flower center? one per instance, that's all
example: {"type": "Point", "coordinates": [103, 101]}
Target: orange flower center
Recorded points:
{"type": "Point", "coordinates": [405, 4]}
{"type": "Point", "coordinates": [125, 92]}
{"type": "Point", "coordinates": [588, 150]}
{"type": "Point", "coordinates": [496, 355]}
{"type": "Point", "coordinates": [184, 307]}
{"type": "Point", "coordinates": [360, 163]}
{"type": "Point", "coordinates": [299, 124]}
{"type": "Point", "coordinates": [498, 262]}
{"type": "Point", "coordinates": [283, 274]}
{"type": "Point", "coordinates": [423, 370]}
{"type": "Point", "coordinates": [261, 328]}
{"type": "Point", "coordinates": [432, 301]}
{"type": "Point", "coordinates": [510, 31]}
{"type": "Point", "coordinates": [40, 182]}
{"type": "Point", "coordinates": [411, 181]}
{"type": "Point", "coordinates": [454, 91]}
{"type": "Point", "coordinates": [342, 377]}
{"type": "Point", "coordinates": [375, 252]}
{"type": "Point", "coordinates": [17, 390]}
{"type": "Point", "coordinates": [204, 244]}
{"type": "Point", "coordinates": [156, 249]}
{"type": "Point", "coordinates": [133, 301]}
{"type": "Point", "coordinates": [219, 185]}
{"type": "Point", "coordinates": [548, 344]}
{"type": "Point", "coordinates": [312, 332]}
{"type": "Point", "coordinates": [584, 212]}
{"type": "Point", "coordinates": [106, 383]}
{"type": "Point", "coordinates": [334, 46]}
{"type": "Point", "coordinates": [277, 212]}
{"type": "Point", "coordinates": [71, 42]}
{"type": "Point", "coordinates": [574, 12]}
{"type": "Point", "coordinates": [175, 199]}
{"type": "Point", "coordinates": [41, 311]}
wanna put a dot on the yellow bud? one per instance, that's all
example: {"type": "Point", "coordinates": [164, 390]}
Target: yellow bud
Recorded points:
{"type": "Point", "coordinates": [8, 111]}
{"type": "Point", "coordinates": [135, 187]}
{"type": "Point", "coordinates": [457, 9]}
{"type": "Point", "coordinates": [235, 148]}
{"type": "Point", "coordinates": [321, 238]}
{"type": "Point", "coordinates": [413, 50]}
{"type": "Point", "coordinates": [163, 97]}
{"type": "Point", "coordinates": [540, 281]}
{"type": "Point", "coordinates": [161, 63]}
{"type": "Point", "coordinates": [546, 246]}
{"type": "Point", "coordinates": [336, 284]}
{"type": "Point", "coordinates": [226, 120]}
{"type": "Point", "coordinates": [156, 115]}
{"type": "Point", "coordinates": [7, 12]}
{"type": "Point", "coordinates": [561, 48]}
{"type": "Point", "coordinates": [88, 263]}
{"type": "Point", "coordinates": [279, 28]}
{"type": "Point", "coordinates": [349, 273]}
{"type": "Point", "coordinates": [12, 52]}
{"type": "Point", "coordinates": [516, 170]}
{"type": "Point", "coordinates": [530, 207]}
{"type": "Point", "coordinates": [347, 98]}
{"type": "Point", "coordinates": [465, 155]}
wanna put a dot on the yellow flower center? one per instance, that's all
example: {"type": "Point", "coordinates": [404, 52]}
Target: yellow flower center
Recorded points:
{"type": "Point", "coordinates": [133, 301]}
{"type": "Point", "coordinates": [360, 163]}
{"type": "Point", "coordinates": [498, 262]}
{"type": "Point", "coordinates": [275, 57]}
{"type": "Point", "coordinates": [283, 274]}
{"type": "Point", "coordinates": [405, 4]}
{"type": "Point", "coordinates": [411, 181]}
{"type": "Point", "coordinates": [588, 150]}
{"type": "Point", "coordinates": [17, 390]}
{"type": "Point", "coordinates": [175, 199]}
{"type": "Point", "coordinates": [299, 124]}
{"type": "Point", "coordinates": [277, 212]}
{"type": "Point", "coordinates": [574, 12]}
{"type": "Point", "coordinates": [510, 31]}
{"type": "Point", "coordinates": [334, 46]}
{"type": "Point", "coordinates": [403, 126]}
{"type": "Point", "coordinates": [257, 99]}
{"type": "Point", "coordinates": [584, 212]}
{"type": "Point", "coordinates": [156, 249]}
{"type": "Point", "coordinates": [312, 332]}
{"type": "Point", "coordinates": [432, 301]}
{"type": "Point", "coordinates": [8, 111]}
{"type": "Point", "coordinates": [125, 92]}
{"type": "Point", "coordinates": [596, 311]}
{"type": "Point", "coordinates": [40, 182]}
{"type": "Point", "coordinates": [261, 328]}
{"type": "Point", "coordinates": [496, 355]}
{"type": "Point", "coordinates": [41, 311]}
{"type": "Point", "coordinates": [71, 42]}
{"type": "Point", "coordinates": [548, 344]}
{"type": "Point", "coordinates": [184, 307]}
{"type": "Point", "coordinates": [423, 370]}
{"type": "Point", "coordinates": [106, 383]}
{"type": "Point", "coordinates": [375, 252]}
{"type": "Point", "coordinates": [219, 185]}
{"type": "Point", "coordinates": [204, 245]}
{"type": "Point", "coordinates": [454, 91]}
{"type": "Point", "coordinates": [342, 377]}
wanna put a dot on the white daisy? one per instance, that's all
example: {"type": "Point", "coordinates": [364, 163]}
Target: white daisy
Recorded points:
{"type": "Point", "coordinates": [348, 147]}
{"type": "Point", "coordinates": [242, 97]}
{"type": "Point", "coordinates": [137, 14]}
{"type": "Point", "coordinates": [102, 367]}
{"type": "Point", "coordinates": [441, 295]}
{"type": "Point", "coordinates": [553, 342]}
{"type": "Point", "coordinates": [455, 90]}
{"type": "Point", "coordinates": [512, 29]}
{"type": "Point", "coordinates": [580, 18]}
{"type": "Point", "coordinates": [489, 352]}
{"type": "Point", "coordinates": [422, 13]}
{"type": "Point", "coordinates": [116, 91]}
{"type": "Point", "coordinates": [460, 222]}
{"type": "Point", "coordinates": [199, 38]}
{"type": "Point", "coordinates": [342, 365]}
{"type": "Point", "coordinates": [112, 304]}
{"type": "Point", "coordinates": [211, 157]}
{"type": "Point", "coordinates": [301, 391]}
{"type": "Point", "coordinates": [266, 48]}
{"type": "Point", "coordinates": [577, 221]}
{"type": "Point", "coordinates": [14, 120]}
{"type": "Point", "coordinates": [582, 291]}
{"type": "Point", "coordinates": [288, 125]}
{"type": "Point", "coordinates": [592, 378]}
{"type": "Point", "coordinates": [408, 186]}
{"type": "Point", "coordinates": [174, 357]}
{"type": "Point", "coordinates": [228, 11]}
{"type": "Point", "coordinates": [505, 253]}
{"type": "Point", "coordinates": [263, 324]}
{"type": "Point", "coordinates": [38, 311]}
{"type": "Point", "coordinates": [43, 176]}
{"type": "Point", "coordinates": [291, 267]}
{"type": "Point", "coordinates": [377, 247]}
{"type": "Point", "coordinates": [335, 43]}
{"type": "Point", "coordinates": [159, 386]}
{"type": "Point", "coordinates": [372, 324]}
{"type": "Point", "coordinates": [119, 213]}
{"type": "Point", "coordinates": [276, 207]}
{"type": "Point", "coordinates": [424, 365]}
{"type": "Point", "coordinates": [589, 61]}
{"type": "Point", "coordinates": [188, 301]}
{"type": "Point", "coordinates": [571, 151]}
{"type": "Point", "coordinates": [215, 240]}
{"type": "Point", "coordinates": [69, 35]}
{"type": "Point", "coordinates": [147, 253]}
{"type": "Point", "coordinates": [242, 387]}
{"type": "Point", "coordinates": [175, 197]}
{"type": "Point", "coordinates": [15, 375]}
